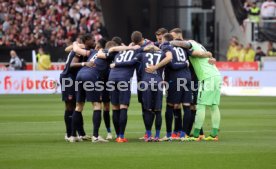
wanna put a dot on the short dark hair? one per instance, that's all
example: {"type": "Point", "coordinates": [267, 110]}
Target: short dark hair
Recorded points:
{"type": "Point", "coordinates": [86, 37]}
{"type": "Point", "coordinates": [176, 30]}
{"type": "Point", "coordinates": [117, 39]}
{"type": "Point", "coordinates": [161, 31]}
{"type": "Point", "coordinates": [136, 37]}
{"type": "Point", "coordinates": [259, 48]}
{"type": "Point", "coordinates": [168, 37]}
{"type": "Point", "coordinates": [111, 44]}
{"type": "Point", "coordinates": [102, 42]}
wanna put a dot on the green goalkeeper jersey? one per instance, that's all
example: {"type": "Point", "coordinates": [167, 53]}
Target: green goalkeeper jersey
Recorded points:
{"type": "Point", "coordinates": [201, 66]}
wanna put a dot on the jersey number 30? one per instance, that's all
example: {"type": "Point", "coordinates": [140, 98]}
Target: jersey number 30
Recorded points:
{"type": "Point", "coordinates": [125, 56]}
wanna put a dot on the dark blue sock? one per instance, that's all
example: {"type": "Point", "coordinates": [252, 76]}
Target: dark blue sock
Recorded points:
{"type": "Point", "coordinates": [81, 128]}
{"type": "Point", "coordinates": [158, 120]}
{"type": "Point", "coordinates": [186, 118]}
{"type": "Point", "coordinates": [116, 118]}
{"type": "Point", "coordinates": [148, 120]}
{"type": "Point", "coordinates": [182, 134]}
{"type": "Point", "coordinates": [143, 115]}
{"type": "Point", "coordinates": [157, 133]}
{"type": "Point", "coordinates": [68, 122]}
{"type": "Point", "coordinates": [76, 123]}
{"type": "Point", "coordinates": [169, 120]}
{"type": "Point", "coordinates": [106, 117]}
{"type": "Point", "coordinates": [177, 120]}
{"type": "Point", "coordinates": [122, 121]}
{"type": "Point", "coordinates": [192, 120]}
{"type": "Point", "coordinates": [148, 132]}
{"type": "Point", "coordinates": [201, 131]}
{"type": "Point", "coordinates": [96, 122]}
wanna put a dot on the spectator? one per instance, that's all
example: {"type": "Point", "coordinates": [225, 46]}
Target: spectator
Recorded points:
{"type": "Point", "coordinates": [271, 51]}
{"type": "Point", "coordinates": [254, 13]}
{"type": "Point", "coordinates": [259, 54]}
{"type": "Point", "coordinates": [249, 53]}
{"type": "Point", "coordinates": [40, 22]}
{"type": "Point", "coordinates": [240, 54]}
{"type": "Point", "coordinates": [15, 62]}
{"type": "Point", "coordinates": [6, 24]}
{"type": "Point", "coordinates": [247, 5]}
{"type": "Point", "coordinates": [268, 11]}
{"type": "Point", "coordinates": [43, 60]}
{"type": "Point", "coordinates": [232, 49]}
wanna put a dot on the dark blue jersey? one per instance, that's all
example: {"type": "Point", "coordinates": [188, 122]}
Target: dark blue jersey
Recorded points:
{"type": "Point", "coordinates": [109, 59]}
{"type": "Point", "coordinates": [138, 67]}
{"type": "Point", "coordinates": [72, 71]}
{"type": "Point", "coordinates": [101, 65]}
{"type": "Point", "coordinates": [150, 58]}
{"type": "Point", "coordinates": [122, 71]}
{"type": "Point", "coordinates": [178, 67]}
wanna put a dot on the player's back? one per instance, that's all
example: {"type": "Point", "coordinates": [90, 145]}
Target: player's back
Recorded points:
{"type": "Point", "coordinates": [201, 66]}
{"type": "Point", "coordinates": [138, 66]}
{"type": "Point", "coordinates": [68, 71]}
{"type": "Point", "coordinates": [180, 56]}
{"type": "Point", "coordinates": [151, 58]}
{"type": "Point", "coordinates": [122, 73]}
{"type": "Point", "coordinates": [101, 65]}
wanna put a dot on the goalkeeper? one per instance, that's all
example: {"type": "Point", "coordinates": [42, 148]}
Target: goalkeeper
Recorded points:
{"type": "Point", "coordinates": [209, 90]}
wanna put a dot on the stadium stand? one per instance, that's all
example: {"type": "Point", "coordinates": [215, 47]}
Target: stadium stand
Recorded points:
{"type": "Point", "coordinates": [40, 22]}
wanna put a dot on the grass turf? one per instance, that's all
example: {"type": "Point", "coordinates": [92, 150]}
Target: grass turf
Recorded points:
{"type": "Point", "coordinates": [32, 131]}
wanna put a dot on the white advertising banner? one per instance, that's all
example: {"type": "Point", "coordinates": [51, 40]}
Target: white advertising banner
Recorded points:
{"type": "Point", "coordinates": [36, 82]}
{"type": "Point", "coordinates": [29, 82]}
{"type": "Point", "coordinates": [235, 83]}
{"type": "Point", "coordinates": [249, 83]}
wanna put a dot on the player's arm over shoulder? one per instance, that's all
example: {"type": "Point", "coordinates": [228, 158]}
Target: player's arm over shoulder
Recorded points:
{"type": "Point", "coordinates": [168, 58]}
{"type": "Point", "coordinates": [201, 54]}
{"type": "Point", "coordinates": [151, 48]}
{"type": "Point", "coordinates": [183, 44]}
{"type": "Point", "coordinates": [79, 50]}
{"type": "Point", "coordinates": [70, 47]}
{"type": "Point", "coordinates": [75, 63]}
{"type": "Point", "coordinates": [123, 48]}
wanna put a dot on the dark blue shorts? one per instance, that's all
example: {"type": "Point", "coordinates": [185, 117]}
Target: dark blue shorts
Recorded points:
{"type": "Point", "coordinates": [68, 94]}
{"type": "Point", "coordinates": [120, 96]}
{"type": "Point", "coordinates": [183, 95]}
{"type": "Point", "coordinates": [152, 100]}
{"type": "Point", "coordinates": [84, 93]}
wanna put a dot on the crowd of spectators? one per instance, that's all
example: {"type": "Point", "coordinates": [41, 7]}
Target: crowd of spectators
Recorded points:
{"type": "Point", "coordinates": [259, 9]}
{"type": "Point", "coordinates": [237, 52]}
{"type": "Point", "coordinates": [52, 22]}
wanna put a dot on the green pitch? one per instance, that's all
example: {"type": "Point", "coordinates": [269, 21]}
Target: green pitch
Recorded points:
{"type": "Point", "coordinates": [32, 132]}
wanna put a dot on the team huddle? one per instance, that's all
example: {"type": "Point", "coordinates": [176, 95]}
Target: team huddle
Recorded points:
{"type": "Point", "coordinates": [101, 72]}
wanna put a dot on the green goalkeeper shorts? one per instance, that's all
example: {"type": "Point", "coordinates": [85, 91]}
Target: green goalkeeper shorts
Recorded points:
{"type": "Point", "coordinates": [209, 91]}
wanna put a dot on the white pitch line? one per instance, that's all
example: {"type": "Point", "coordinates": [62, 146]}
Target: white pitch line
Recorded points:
{"type": "Point", "coordinates": [32, 122]}
{"type": "Point", "coordinates": [130, 132]}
